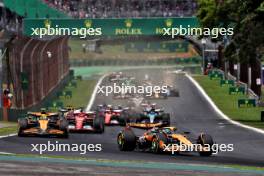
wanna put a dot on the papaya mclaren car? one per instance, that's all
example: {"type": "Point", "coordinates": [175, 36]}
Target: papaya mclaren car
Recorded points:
{"type": "Point", "coordinates": [163, 140]}
{"type": "Point", "coordinates": [43, 124]}
{"type": "Point", "coordinates": [80, 121]}
{"type": "Point", "coordinates": [151, 117]}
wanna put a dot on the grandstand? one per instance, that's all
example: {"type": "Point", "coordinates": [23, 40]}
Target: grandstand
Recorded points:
{"type": "Point", "coordinates": [125, 8]}
{"type": "Point", "coordinates": [31, 69]}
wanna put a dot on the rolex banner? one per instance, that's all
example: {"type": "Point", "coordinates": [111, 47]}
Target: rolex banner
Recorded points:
{"type": "Point", "coordinates": [97, 27]}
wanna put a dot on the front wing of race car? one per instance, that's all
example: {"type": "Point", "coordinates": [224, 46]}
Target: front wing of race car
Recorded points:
{"type": "Point", "coordinates": [145, 125]}
{"type": "Point", "coordinates": [39, 131]}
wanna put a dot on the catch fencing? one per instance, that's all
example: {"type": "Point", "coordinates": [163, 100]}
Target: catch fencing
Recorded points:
{"type": "Point", "coordinates": [36, 67]}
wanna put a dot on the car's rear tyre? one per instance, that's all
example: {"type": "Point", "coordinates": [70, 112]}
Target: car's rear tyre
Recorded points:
{"type": "Point", "coordinates": [126, 140]}
{"type": "Point", "coordinates": [124, 118]}
{"type": "Point", "coordinates": [206, 141]}
{"type": "Point", "coordinates": [20, 133]}
{"type": "Point", "coordinates": [65, 134]}
{"type": "Point", "coordinates": [155, 144]}
{"type": "Point", "coordinates": [175, 93]}
{"type": "Point", "coordinates": [63, 125]}
{"type": "Point", "coordinates": [22, 123]}
{"type": "Point", "coordinates": [98, 124]}
{"type": "Point", "coordinates": [135, 118]}
{"type": "Point", "coordinates": [142, 118]}
{"type": "Point", "coordinates": [166, 119]}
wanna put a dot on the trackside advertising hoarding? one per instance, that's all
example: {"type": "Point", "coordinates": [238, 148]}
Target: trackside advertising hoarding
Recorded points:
{"type": "Point", "coordinates": [111, 27]}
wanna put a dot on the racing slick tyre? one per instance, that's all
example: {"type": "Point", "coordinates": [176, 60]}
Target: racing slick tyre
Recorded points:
{"type": "Point", "coordinates": [166, 119]}
{"type": "Point", "coordinates": [126, 140]}
{"type": "Point", "coordinates": [174, 93]}
{"type": "Point", "coordinates": [123, 119]}
{"type": "Point", "coordinates": [65, 134]}
{"type": "Point", "coordinates": [206, 141]}
{"type": "Point", "coordinates": [134, 118]}
{"type": "Point", "coordinates": [63, 126]}
{"type": "Point", "coordinates": [98, 124]}
{"type": "Point", "coordinates": [157, 141]}
{"type": "Point", "coordinates": [22, 123]}
{"type": "Point", "coordinates": [163, 95]}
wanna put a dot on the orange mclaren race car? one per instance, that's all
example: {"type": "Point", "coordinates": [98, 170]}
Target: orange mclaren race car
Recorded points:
{"type": "Point", "coordinates": [165, 139]}
{"type": "Point", "coordinates": [43, 123]}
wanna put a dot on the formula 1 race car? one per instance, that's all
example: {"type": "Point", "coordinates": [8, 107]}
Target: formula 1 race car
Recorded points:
{"type": "Point", "coordinates": [156, 95]}
{"type": "Point", "coordinates": [151, 117]}
{"type": "Point", "coordinates": [172, 92]}
{"type": "Point", "coordinates": [85, 121]}
{"type": "Point", "coordinates": [43, 123]}
{"type": "Point", "coordinates": [123, 95]}
{"type": "Point", "coordinates": [115, 77]}
{"type": "Point", "coordinates": [165, 139]}
{"type": "Point", "coordinates": [114, 116]}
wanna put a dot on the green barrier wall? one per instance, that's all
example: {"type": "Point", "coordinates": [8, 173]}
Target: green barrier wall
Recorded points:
{"type": "Point", "coordinates": [110, 27]}
{"type": "Point", "coordinates": [14, 114]}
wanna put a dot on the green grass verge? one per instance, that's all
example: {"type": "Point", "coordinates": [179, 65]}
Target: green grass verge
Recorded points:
{"type": "Point", "coordinates": [80, 95]}
{"type": "Point", "coordinates": [228, 103]}
{"type": "Point", "coordinates": [8, 130]}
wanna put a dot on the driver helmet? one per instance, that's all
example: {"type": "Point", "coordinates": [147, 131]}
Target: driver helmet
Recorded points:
{"type": "Point", "coordinates": [109, 107]}
{"type": "Point", "coordinates": [43, 111]}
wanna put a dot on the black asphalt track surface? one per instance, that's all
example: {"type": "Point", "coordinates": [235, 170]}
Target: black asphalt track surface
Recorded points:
{"type": "Point", "coordinates": [189, 112]}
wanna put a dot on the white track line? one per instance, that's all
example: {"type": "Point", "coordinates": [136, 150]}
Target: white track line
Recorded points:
{"type": "Point", "coordinates": [9, 135]}
{"type": "Point", "coordinates": [6, 153]}
{"type": "Point", "coordinates": [90, 104]}
{"type": "Point", "coordinates": [210, 101]}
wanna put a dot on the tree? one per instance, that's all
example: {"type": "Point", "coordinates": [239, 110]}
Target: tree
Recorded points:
{"type": "Point", "coordinates": [246, 17]}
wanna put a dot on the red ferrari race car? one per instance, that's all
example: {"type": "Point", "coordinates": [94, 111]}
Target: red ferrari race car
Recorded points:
{"type": "Point", "coordinates": [114, 116]}
{"type": "Point", "coordinates": [84, 121]}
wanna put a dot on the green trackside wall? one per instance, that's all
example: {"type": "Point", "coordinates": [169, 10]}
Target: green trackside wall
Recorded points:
{"type": "Point", "coordinates": [14, 114]}
{"type": "Point", "coordinates": [112, 27]}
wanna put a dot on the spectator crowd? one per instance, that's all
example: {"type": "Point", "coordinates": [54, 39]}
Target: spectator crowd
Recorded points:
{"type": "Point", "coordinates": [125, 8]}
